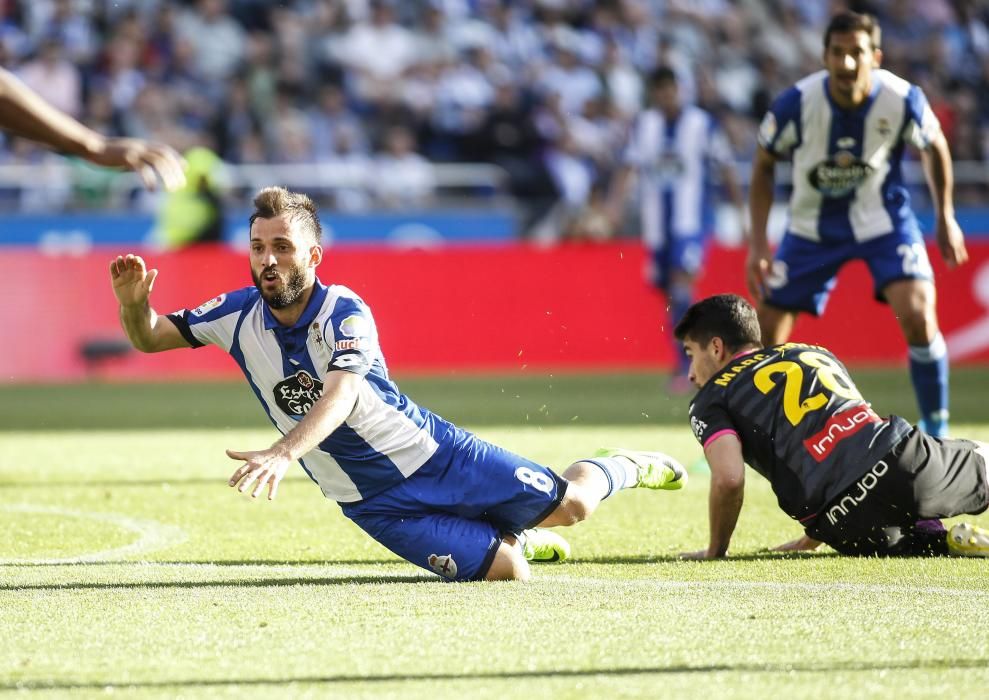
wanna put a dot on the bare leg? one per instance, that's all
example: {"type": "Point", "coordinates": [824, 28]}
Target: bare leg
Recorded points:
{"type": "Point", "coordinates": [913, 302]}
{"type": "Point", "coordinates": [776, 324]}
{"type": "Point", "coordinates": [587, 487]}
{"type": "Point", "coordinates": [508, 564]}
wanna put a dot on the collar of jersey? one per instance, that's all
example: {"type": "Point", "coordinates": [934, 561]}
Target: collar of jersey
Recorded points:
{"type": "Point", "coordinates": [312, 308]}
{"type": "Point", "coordinates": [862, 108]}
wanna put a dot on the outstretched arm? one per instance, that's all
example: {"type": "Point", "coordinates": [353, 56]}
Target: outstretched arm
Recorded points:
{"type": "Point", "coordinates": [940, 180]}
{"type": "Point", "coordinates": [724, 454]}
{"type": "Point", "coordinates": [147, 331]}
{"type": "Point", "coordinates": [326, 415]}
{"type": "Point", "coordinates": [24, 113]}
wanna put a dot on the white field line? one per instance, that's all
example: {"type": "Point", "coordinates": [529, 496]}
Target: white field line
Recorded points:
{"type": "Point", "coordinates": [151, 535]}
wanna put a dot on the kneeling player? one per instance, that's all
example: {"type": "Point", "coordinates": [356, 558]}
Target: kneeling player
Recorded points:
{"type": "Point", "coordinates": [432, 493]}
{"type": "Point", "coordinates": [852, 479]}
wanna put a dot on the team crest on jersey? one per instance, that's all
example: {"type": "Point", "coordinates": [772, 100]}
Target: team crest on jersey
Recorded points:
{"type": "Point", "coordinates": [698, 426]}
{"type": "Point", "coordinates": [316, 334]}
{"type": "Point", "coordinates": [295, 395]}
{"type": "Point", "coordinates": [354, 326]}
{"type": "Point", "coordinates": [208, 306]}
{"type": "Point", "coordinates": [443, 564]}
{"type": "Point", "coordinates": [883, 127]}
{"type": "Point", "coordinates": [839, 175]}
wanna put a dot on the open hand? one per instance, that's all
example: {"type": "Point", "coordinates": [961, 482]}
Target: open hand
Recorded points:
{"type": "Point", "coordinates": [150, 161]}
{"type": "Point", "coordinates": [260, 467]}
{"type": "Point", "coordinates": [132, 282]}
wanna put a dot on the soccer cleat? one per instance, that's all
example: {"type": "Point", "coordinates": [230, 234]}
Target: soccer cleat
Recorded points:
{"type": "Point", "coordinates": [654, 470]}
{"type": "Point", "coordinates": [966, 540]}
{"type": "Point", "coordinates": [543, 546]}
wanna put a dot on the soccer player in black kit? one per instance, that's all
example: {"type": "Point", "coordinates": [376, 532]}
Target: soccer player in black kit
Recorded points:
{"type": "Point", "coordinates": [854, 480]}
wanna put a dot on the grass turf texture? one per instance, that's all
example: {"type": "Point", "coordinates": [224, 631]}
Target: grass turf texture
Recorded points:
{"type": "Point", "coordinates": [288, 598]}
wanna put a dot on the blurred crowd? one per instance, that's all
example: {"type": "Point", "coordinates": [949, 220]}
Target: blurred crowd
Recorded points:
{"type": "Point", "coordinates": [545, 89]}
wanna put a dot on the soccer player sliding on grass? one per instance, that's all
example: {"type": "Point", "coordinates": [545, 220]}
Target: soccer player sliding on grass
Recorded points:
{"type": "Point", "coordinates": [427, 490]}
{"type": "Point", "coordinates": [852, 479]}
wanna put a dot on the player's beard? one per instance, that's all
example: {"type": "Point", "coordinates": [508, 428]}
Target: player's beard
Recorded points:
{"type": "Point", "coordinates": [286, 295]}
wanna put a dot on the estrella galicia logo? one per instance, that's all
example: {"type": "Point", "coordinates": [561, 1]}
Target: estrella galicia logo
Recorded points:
{"type": "Point", "coordinates": [295, 395]}
{"type": "Point", "coordinates": [839, 175]}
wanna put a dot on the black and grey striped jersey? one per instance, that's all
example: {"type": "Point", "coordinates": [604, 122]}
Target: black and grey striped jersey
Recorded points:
{"type": "Point", "coordinates": [801, 421]}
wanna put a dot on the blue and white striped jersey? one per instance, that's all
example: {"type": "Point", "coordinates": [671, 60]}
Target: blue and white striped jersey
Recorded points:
{"type": "Point", "coordinates": [674, 159]}
{"type": "Point", "coordinates": [847, 183]}
{"type": "Point", "coordinates": [384, 440]}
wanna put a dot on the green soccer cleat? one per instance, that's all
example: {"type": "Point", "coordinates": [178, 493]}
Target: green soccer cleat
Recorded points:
{"type": "Point", "coordinates": [655, 470]}
{"type": "Point", "coordinates": [542, 546]}
{"type": "Point", "coordinates": [966, 540]}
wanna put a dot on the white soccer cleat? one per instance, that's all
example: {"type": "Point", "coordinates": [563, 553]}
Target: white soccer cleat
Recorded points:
{"type": "Point", "coordinates": [967, 540]}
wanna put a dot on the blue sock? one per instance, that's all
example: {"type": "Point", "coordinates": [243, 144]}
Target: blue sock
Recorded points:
{"type": "Point", "coordinates": [620, 472]}
{"type": "Point", "coordinates": [929, 373]}
{"type": "Point", "coordinates": [679, 298]}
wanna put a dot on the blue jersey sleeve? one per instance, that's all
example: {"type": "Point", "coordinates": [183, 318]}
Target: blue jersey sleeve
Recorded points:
{"type": "Point", "coordinates": [213, 322]}
{"type": "Point", "coordinates": [921, 127]}
{"type": "Point", "coordinates": [780, 132]}
{"type": "Point", "coordinates": [354, 337]}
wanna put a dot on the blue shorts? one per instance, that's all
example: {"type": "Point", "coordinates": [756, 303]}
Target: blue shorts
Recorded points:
{"type": "Point", "coordinates": [450, 515]}
{"type": "Point", "coordinates": [678, 253]}
{"type": "Point", "coordinates": [804, 272]}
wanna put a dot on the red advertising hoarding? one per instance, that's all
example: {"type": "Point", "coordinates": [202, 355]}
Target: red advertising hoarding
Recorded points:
{"type": "Point", "coordinates": [498, 308]}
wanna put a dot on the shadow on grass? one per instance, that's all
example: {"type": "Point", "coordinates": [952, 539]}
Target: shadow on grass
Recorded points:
{"type": "Point", "coordinates": [816, 668]}
{"type": "Point", "coordinates": [668, 558]}
{"type": "Point", "coordinates": [232, 583]}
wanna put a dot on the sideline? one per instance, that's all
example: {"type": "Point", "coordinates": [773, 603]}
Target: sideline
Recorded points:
{"type": "Point", "coordinates": [152, 535]}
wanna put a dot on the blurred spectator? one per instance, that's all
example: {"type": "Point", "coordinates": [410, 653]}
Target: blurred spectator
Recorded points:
{"type": "Point", "coordinates": [377, 53]}
{"type": "Point", "coordinates": [217, 39]}
{"type": "Point", "coordinates": [329, 115]}
{"type": "Point", "coordinates": [403, 179]}
{"type": "Point", "coordinates": [54, 77]}
{"type": "Point", "coordinates": [194, 213]}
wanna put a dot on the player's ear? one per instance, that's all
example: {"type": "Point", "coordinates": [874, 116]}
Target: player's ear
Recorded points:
{"type": "Point", "coordinates": [877, 57]}
{"type": "Point", "coordinates": [316, 255]}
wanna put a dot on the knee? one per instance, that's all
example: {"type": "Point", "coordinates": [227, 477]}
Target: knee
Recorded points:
{"type": "Point", "coordinates": [508, 565]}
{"type": "Point", "coordinates": [576, 506]}
{"type": "Point", "coordinates": [919, 326]}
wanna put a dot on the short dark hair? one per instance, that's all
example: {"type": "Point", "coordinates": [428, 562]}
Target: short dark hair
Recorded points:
{"type": "Point", "coordinates": [725, 316]}
{"type": "Point", "coordinates": [661, 76]}
{"type": "Point", "coordinates": [853, 22]}
{"type": "Point", "coordinates": [275, 201]}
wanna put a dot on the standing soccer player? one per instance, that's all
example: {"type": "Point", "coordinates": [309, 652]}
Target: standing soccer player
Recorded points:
{"type": "Point", "coordinates": [432, 493]}
{"type": "Point", "coordinates": [845, 129]}
{"type": "Point", "coordinates": [675, 150]}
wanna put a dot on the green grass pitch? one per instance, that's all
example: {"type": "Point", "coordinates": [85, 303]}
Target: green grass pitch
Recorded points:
{"type": "Point", "coordinates": [128, 567]}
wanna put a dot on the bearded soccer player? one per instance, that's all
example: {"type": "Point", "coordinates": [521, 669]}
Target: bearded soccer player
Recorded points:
{"type": "Point", "coordinates": [845, 130]}
{"type": "Point", "coordinates": [852, 479]}
{"type": "Point", "coordinates": [430, 492]}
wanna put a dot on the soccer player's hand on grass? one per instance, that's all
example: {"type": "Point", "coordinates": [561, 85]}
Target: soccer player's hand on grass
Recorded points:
{"type": "Point", "coordinates": [757, 269]}
{"type": "Point", "coordinates": [951, 242]}
{"type": "Point", "coordinates": [260, 467]}
{"type": "Point", "coordinates": [801, 544]}
{"type": "Point", "coordinates": [700, 555]}
{"type": "Point", "coordinates": [150, 161]}
{"type": "Point", "coordinates": [132, 282]}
